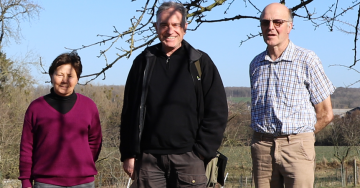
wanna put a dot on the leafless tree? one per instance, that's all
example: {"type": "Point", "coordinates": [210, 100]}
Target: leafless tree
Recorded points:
{"type": "Point", "coordinates": [341, 152]}
{"type": "Point", "coordinates": [345, 138]}
{"type": "Point", "coordinates": [141, 32]}
{"type": "Point", "coordinates": [13, 12]}
{"type": "Point", "coordinates": [15, 89]}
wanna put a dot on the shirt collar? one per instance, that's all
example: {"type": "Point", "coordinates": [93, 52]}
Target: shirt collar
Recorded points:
{"type": "Point", "coordinates": [285, 56]}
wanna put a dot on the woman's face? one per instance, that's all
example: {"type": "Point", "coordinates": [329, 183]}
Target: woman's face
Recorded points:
{"type": "Point", "coordinates": [64, 80]}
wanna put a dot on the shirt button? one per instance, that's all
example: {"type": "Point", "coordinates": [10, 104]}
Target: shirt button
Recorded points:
{"type": "Point", "coordinates": [193, 181]}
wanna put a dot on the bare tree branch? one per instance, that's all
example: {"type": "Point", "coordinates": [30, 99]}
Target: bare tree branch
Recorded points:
{"type": "Point", "coordinates": [251, 36]}
{"type": "Point", "coordinates": [259, 11]}
{"type": "Point", "coordinates": [141, 32]}
{"type": "Point", "coordinates": [351, 69]}
{"type": "Point", "coordinates": [356, 35]}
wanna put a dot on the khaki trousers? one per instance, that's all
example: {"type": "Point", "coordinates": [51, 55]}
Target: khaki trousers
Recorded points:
{"type": "Point", "coordinates": [284, 161]}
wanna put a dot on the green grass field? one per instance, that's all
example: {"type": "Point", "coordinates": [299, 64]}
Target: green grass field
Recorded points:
{"type": "Point", "coordinates": [240, 99]}
{"type": "Point", "coordinates": [327, 173]}
{"type": "Point", "coordinates": [327, 152]}
{"type": "Point", "coordinates": [239, 164]}
{"type": "Point", "coordinates": [241, 156]}
{"type": "Point", "coordinates": [324, 152]}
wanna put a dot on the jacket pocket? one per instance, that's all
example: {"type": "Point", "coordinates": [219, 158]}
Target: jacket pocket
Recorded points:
{"type": "Point", "coordinates": [192, 180]}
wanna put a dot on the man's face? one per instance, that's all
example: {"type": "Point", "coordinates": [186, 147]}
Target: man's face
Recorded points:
{"type": "Point", "coordinates": [276, 36]}
{"type": "Point", "coordinates": [169, 30]}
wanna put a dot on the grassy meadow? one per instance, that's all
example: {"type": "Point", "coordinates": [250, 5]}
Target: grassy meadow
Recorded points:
{"type": "Point", "coordinates": [240, 156]}
{"type": "Point", "coordinates": [327, 173]}
{"type": "Point", "coordinates": [240, 99]}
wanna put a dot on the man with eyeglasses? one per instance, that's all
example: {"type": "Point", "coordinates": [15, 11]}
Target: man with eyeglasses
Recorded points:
{"type": "Point", "coordinates": [290, 96]}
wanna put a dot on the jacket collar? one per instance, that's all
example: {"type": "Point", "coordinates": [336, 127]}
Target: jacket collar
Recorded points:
{"type": "Point", "coordinates": [193, 53]}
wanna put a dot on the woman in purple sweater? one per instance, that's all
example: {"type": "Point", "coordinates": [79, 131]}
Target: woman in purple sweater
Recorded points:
{"type": "Point", "coordinates": [61, 138]}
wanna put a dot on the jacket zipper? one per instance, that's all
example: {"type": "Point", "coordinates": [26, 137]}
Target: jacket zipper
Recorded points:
{"type": "Point", "coordinates": [167, 62]}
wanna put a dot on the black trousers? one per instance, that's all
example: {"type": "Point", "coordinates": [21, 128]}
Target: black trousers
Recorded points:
{"type": "Point", "coordinates": [170, 171]}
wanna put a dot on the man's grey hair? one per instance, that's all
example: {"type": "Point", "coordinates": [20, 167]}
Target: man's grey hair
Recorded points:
{"type": "Point", "coordinates": [177, 6]}
{"type": "Point", "coordinates": [291, 15]}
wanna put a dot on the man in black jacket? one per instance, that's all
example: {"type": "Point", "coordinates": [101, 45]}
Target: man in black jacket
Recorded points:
{"type": "Point", "coordinates": [169, 125]}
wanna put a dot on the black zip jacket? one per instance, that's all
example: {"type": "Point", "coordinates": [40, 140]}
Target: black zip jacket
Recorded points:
{"type": "Point", "coordinates": [212, 125]}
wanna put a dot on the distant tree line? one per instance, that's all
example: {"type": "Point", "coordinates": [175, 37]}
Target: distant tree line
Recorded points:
{"type": "Point", "coordinates": [343, 98]}
{"type": "Point", "coordinates": [238, 92]}
{"type": "Point", "coordinates": [344, 130]}
{"type": "Point", "coordinates": [346, 98]}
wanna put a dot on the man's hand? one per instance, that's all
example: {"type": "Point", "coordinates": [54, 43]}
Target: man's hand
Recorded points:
{"type": "Point", "coordinates": [129, 167]}
{"type": "Point", "coordinates": [201, 157]}
{"type": "Point", "coordinates": [324, 114]}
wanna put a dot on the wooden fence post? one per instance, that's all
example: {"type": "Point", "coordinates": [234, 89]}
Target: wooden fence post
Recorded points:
{"type": "Point", "coordinates": [342, 174]}
{"type": "Point", "coordinates": [357, 175]}
{"type": "Point", "coordinates": [355, 172]}
{"type": "Point", "coordinates": [346, 175]}
{"type": "Point", "coordinates": [241, 183]}
{"type": "Point", "coordinates": [1, 181]}
{"type": "Point", "coordinates": [100, 180]}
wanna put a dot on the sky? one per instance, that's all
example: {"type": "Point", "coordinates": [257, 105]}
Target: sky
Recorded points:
{"type": "Point", "coordinates": [72, 23]}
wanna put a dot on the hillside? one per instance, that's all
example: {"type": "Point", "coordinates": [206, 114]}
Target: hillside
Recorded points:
{"type": "Point", "coordinates": [343, 98]}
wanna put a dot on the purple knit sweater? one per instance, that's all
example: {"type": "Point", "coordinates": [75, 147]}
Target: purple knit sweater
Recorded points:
{"type": "Point", "coordinates": [60, 149]}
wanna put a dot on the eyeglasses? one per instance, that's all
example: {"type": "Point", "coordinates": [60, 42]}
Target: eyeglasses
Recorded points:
{"type": "Point", "coordinates": [277, 22]}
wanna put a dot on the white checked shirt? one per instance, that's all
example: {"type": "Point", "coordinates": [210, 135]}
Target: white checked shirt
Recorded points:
{"type": "Point", "coordinates": [284, 91]}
